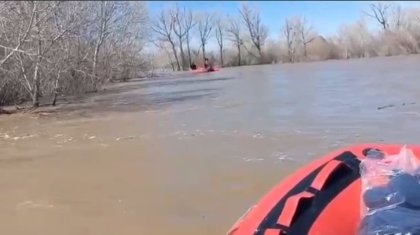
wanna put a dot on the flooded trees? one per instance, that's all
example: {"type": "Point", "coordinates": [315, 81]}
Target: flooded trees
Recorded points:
{"type": "Point", "coordinates": [31, 56]}
{"type": "Point", "coordinates": [47, 36]}
{"type": "Point", "coordinates": [52, 48]}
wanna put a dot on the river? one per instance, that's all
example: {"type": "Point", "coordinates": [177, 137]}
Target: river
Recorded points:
{"type": "Point", "coordinates": [189, 153]}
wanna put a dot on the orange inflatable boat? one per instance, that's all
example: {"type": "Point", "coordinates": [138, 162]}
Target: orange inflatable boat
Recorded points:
{"type": "Point", "coordinates": [203, 70]}
{"type": "Point", "coordinates": [322, 198]}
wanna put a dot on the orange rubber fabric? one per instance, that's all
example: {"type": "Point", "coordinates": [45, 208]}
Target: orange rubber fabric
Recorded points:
{"type": "Point", "coordinates": [342, 214]}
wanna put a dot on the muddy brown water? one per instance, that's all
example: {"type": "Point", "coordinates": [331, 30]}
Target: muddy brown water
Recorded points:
{"type": "Point", "coordinates": [188, 154]}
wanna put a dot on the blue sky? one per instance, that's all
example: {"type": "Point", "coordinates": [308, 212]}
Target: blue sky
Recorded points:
{"type": "Point", "coordinates": [326, 16]}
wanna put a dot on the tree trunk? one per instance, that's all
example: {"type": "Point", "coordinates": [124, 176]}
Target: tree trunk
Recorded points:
{"type": "Point", "coordinates": [203, 47]}
{"type": "Point", "coordinates": [35, 92]}
{"type": "Point", "coordinates": [181, 50]}
{"type": "Point", "coordinates": [261, 58]}
{"type": "Point", "coordinates": [239, 55]}
{"type": "Point", "coordinates": [221, 56]}
{"type": "Point", "coordinates": [56, 89]}
{"type": "Point", "coordinates": [219, 37]}
{"type": "Point", "coordinates": [54, 99]}
{"type": "Point", "coordinates": [98, 45]}
{"type": "Point", "coordinates": [176, 55]}
{"type": "Point", "coordinates": [95, 60]}
{"type": "Point", "coordinates": [188, 49]}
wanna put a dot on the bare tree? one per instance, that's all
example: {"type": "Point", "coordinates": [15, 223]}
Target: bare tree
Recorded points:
{"type": "Point", "coordinates": [288, 32]}
{"type": "Point", "coordinates": [305, 31]}
{"type": "Point", "coordinates": [219, 33]}
{"type": "Point", "coordinates": [178, 17]}
{"type": "Point", "coordinates": [234, 30]}
{"type": "Point", "coordinates": [397, 17]}
{"type": "Point", "coordinates": [17, 25]}
{"type": "Point", "coordinates": [205, 27]}
{"type": "Point", "coordinates": [380, 11]}
{"type": "Point", "coordinates": [106, 18]}
{"type": "Point", "coordinates": [189, 24]}
{"type": "Point", "coordinates": [257, 31]}
{"type": "Point", "coordinates": [44, 40]}
{"type": "Point", "coordinates": [164, 28]}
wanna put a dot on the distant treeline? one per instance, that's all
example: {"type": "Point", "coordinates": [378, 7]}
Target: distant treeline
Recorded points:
{"type": "Point", "coordinates": [242, 40]}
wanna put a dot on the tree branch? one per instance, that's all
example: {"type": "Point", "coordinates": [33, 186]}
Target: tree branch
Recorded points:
{"type": "Point", "coordinates": [24, 36]}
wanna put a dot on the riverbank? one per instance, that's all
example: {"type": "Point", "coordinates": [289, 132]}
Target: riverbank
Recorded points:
{"type": "Point", "coordinates": [90, 101]}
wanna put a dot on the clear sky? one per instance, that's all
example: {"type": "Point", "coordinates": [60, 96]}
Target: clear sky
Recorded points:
{"type": "Point", "coordinates": [326, 16]}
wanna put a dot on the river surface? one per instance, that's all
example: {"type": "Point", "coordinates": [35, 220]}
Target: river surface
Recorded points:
{"type": "Point", "coordinates": [189, 153]}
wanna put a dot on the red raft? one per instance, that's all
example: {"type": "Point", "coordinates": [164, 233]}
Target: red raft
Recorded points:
{"type": "Point", "coordinates": [203, 70]}
{"type": "Point", "coordinates": [321, 198]}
